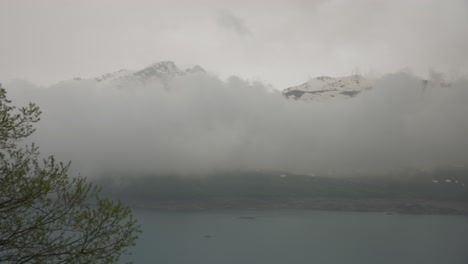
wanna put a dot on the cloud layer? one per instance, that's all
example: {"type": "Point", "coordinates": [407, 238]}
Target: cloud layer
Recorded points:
{"type": "Point", "coordinates": [201, 124]}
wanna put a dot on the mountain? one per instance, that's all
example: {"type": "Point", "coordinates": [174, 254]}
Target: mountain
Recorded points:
{"type": "Point", "coordinates": [166, 69]}
{"type": "Point", "coordinates": [114, 75]}
{"type": "Point", "coordinates": [322, 88]}
{"type": "Point", "coordinates": [162, 71]}
{"type": "Point", "coordinates": [326, 88]}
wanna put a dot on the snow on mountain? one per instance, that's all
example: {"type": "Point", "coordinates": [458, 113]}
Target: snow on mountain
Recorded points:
{"type": "Point", "coordinates": [113, 75]}
{"type": "Point", "coordinates": [318, 89]}
{"type": "Point", "coordinates": [326, 88]}
{"type": "Point", "coordinates": [159, 70]}
{"type": "Point", "coordinates": [162, 71]}
{"type": "Point", "coordinates": [165, 70]}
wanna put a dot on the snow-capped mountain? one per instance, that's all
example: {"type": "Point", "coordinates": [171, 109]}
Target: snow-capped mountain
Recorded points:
{"type": "Point", "coordinates": [327, 88]}
{"type": "Point", "coordinates": [162, 71]}
{"type": "Point", "coordinates": [166, 69]}
{"type": "Point", "coordinates": [114, 75]}
{"type": "Point", "coordinates": [318, 89]}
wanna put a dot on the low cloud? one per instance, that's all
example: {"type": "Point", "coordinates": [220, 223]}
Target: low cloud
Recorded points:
{"type": "Point", "coordinates": [201, 124]}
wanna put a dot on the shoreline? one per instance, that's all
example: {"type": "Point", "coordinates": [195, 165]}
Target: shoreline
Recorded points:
{"type": "Point", "coordinates": [389, 206]}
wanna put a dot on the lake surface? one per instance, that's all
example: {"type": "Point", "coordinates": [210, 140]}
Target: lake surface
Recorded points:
{"type": "Point", "coordinates": [298, 236]}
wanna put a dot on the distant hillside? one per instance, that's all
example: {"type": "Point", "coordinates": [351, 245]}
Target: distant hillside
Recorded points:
{"type": "Point", "coordinates": [441, 191]}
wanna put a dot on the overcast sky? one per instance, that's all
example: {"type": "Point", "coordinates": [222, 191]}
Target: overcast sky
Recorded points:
{"type": "Point", "coordinates": [279, 42]}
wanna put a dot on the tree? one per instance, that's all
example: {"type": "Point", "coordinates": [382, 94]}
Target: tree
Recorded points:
{"type": "Point", "coordinates": [47, 216]}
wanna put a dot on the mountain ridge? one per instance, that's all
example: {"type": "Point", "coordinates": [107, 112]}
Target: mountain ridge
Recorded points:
{"type": "Point", "coordinates": [326, 88]}
{"type": "Point", "coordinates": [162, 70]}
{"type": "Point", "coordinates": [322, 88]}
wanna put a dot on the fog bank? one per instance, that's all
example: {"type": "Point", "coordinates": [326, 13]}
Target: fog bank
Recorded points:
{"type": "Point", "coordinates": [200, 124]}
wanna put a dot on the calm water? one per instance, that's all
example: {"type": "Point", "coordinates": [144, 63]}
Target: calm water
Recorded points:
{"type": "Point", "coordinates": [296, 236]}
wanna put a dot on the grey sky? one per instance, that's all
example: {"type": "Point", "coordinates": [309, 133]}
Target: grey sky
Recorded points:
{"type": "Point", "coordinates": [286, 43]}
{"type": "Point", "coordinates": [231, 22]}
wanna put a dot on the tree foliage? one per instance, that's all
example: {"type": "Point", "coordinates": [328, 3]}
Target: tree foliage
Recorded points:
{"type": "Point", "coordinates": [47, 216]}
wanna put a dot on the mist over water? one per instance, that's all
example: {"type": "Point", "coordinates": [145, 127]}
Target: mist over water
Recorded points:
{"type": "Point", "coordinates": [200, 124]}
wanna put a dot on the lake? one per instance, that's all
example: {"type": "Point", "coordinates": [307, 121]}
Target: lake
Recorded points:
{"type": "Point", "coordinates": [298, 236]}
